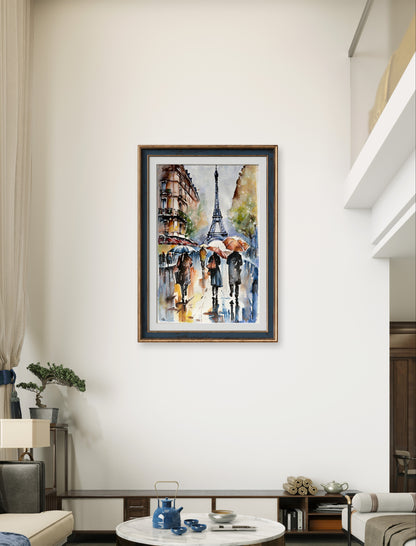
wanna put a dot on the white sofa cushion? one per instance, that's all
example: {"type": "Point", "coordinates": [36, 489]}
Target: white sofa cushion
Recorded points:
{"type": "Point", "coordinates": [384, 502]}
{"type": "Point", "coordinates": [42, 529]}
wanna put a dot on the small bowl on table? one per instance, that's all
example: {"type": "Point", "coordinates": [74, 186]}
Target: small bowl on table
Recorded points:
{"type": "Point", "coordinates": [198, 527]}
{"type": "Point", "coordinates": [179, 530]}
{"type": "Point", "coordinates": [189, 522]}
{"type": "Point", "coordinates": [222, 516]}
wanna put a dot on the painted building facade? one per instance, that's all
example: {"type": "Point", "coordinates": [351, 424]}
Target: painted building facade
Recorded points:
{"type": "Point", "coordinates": [177, 196]}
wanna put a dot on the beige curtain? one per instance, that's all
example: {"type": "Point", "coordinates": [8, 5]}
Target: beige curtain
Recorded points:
{"type": "Point", "coordinates": [15, 179]}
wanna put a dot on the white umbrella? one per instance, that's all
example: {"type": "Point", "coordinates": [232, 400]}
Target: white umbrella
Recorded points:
{"type": "Point", "coordinates": [219, 247]}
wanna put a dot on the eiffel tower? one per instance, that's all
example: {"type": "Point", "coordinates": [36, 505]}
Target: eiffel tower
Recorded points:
{"type": "Point", "coordinates": [217, 229]}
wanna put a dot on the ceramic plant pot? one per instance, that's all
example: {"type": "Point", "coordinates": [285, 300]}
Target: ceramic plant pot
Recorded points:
{"type": "Point", "coordinates": [45, 413]}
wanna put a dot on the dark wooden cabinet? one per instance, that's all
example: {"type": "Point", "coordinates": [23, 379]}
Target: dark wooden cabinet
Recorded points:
{"type": "Point", "coordinates": [402, 393]}
{"type": "Point", "coordinates": [136, 507]}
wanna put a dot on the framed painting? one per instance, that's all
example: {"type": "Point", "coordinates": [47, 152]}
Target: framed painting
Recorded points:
{"type": "Point", "coordinates": [207, 243]}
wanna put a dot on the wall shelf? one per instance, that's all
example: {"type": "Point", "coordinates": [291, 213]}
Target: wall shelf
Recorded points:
{"type": "Point", "coordinates": [382, 178]}
{"type": "Point", "coordinates": [388, 146]}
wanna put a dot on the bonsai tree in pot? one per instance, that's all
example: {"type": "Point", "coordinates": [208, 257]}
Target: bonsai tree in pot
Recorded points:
{"type": "Point", "coordinates": [47, 375]}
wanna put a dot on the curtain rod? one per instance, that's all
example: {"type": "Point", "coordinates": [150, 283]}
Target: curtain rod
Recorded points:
{"type": "Point", "coordinates": [360, 28]}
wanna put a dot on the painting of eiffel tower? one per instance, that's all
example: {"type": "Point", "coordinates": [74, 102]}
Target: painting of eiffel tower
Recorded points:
{"type": "Point", "coordinates": [217, 229]}
{"type": "Point", "coordinates": [207, 243]}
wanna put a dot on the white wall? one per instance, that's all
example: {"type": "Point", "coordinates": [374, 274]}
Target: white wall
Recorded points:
{"type": "Point", "coordinates": [110, 75]}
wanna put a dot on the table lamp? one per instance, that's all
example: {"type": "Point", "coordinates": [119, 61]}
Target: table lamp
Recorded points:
{"type": "Point", "coordinates": [24, 433]}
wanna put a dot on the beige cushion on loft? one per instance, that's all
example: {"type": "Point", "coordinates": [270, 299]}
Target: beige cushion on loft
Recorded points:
{"type": "Point", "coordinates": [42, 529]}
{"type": "Point", "coordinates": [384, 502]}
{"type": "Point", "coordinates": [394, 70]}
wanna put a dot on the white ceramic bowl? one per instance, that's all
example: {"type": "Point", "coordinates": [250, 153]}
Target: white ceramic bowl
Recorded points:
{"type": "Point", "coordinates": [222, 516]}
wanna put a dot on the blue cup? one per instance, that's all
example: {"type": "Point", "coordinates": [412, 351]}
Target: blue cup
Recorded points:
{"type": "Point", "coordinates": [179, 530]}
{"type": "Point", "coordinates": [198, 527]}
{"type": "Point", "coordinates": [190, 522]}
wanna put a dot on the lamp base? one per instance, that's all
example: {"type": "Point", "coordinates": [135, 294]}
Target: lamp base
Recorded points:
{"type": "Point", "coordinates": [26, 452]}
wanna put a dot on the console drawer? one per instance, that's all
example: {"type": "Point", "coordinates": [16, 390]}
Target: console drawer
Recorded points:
{"type": "Point", "coordinates": [136, 507]}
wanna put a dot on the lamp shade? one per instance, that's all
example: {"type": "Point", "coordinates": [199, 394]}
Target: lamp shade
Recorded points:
{"type": "Point", "coordinates": [24, 433]}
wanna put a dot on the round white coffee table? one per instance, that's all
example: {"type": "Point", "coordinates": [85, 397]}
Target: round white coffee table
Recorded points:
{"type": "Point", "coordinates": [140, 531]}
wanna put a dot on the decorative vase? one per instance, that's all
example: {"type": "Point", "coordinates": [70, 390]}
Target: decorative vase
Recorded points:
{"type": "Point", "coordinates": [45, 413]}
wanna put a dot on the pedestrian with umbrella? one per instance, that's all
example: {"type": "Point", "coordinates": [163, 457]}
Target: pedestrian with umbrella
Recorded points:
{"type": "Point", "coordinates": [214, 265]}
{"type": "Point", "coordinates": [235, 263]}
{"type": "Point", "coordinates": [202, 258]}
{"type": "Point", "coordinates": [182, 272]}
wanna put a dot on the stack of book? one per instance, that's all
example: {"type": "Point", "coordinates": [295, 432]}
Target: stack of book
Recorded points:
{"type": "Point", "coordinates": [292, 518]}
{"type": "Point", "coordinates": [332, 508]}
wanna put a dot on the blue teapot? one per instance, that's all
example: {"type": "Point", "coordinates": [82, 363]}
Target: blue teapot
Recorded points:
{"type": "Point", "coordinates": [167, 516]}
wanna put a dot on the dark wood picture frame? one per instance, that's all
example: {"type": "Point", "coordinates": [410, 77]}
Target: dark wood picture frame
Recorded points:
{"type": "Point", "coordinates": [152, 158]}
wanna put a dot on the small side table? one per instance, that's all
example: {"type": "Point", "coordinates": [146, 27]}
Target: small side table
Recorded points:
{"type": "Point", "coordinates": [52, 502]}
{"type": "Point", "coordinates": [140, 531]}
{"type": "Point", "coordinates": [55, 428]}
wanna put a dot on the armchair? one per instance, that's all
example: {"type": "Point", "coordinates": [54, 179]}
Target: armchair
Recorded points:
{"type": "Point", "coordinates": [403, 459]}
{"type": "Point", "coordinates": [22, 505]}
